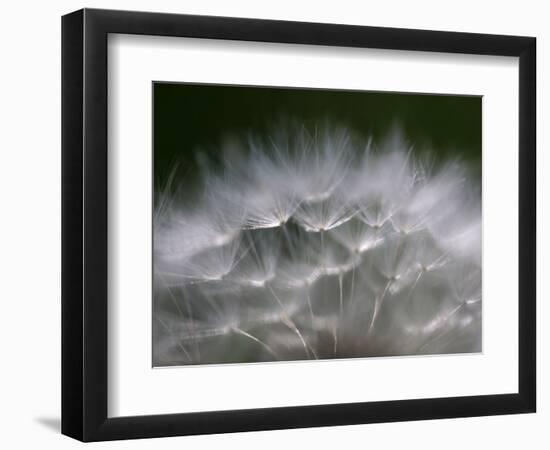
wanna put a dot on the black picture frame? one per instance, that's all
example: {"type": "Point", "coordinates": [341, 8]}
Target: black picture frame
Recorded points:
{"type": "Point", "coordinates": [84, 224]}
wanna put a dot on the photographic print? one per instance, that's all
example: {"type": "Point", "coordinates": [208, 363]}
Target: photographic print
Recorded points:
{"type": "Point", "coordinates": [310, 224]}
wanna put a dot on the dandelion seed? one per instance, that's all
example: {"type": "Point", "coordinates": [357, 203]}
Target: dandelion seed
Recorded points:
{"type": "Point", "coordinates": [213, 264]}
{"type": "Point", "coordinates": [359, 237]}
{"type": "Point", "coordinates": [323, 215]}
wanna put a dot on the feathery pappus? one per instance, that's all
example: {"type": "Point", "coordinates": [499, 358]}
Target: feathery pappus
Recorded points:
{"type": "Point", "coordinates": [317, 245]}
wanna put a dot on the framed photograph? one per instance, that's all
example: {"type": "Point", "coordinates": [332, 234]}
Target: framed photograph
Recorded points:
{"type": "Point", "coordinates": [273, 224]}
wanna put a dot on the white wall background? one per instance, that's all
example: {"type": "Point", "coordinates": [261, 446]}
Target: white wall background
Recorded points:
{"type": "Point", "coordinates": [30, 221]}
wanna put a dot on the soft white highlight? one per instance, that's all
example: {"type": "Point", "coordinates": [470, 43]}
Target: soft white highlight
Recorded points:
{"type": "Point", "coordinates": [313, 245]}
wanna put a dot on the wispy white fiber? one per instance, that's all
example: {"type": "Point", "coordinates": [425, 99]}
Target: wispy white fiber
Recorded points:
{"type": "Point", "coordinates": [312, 245]}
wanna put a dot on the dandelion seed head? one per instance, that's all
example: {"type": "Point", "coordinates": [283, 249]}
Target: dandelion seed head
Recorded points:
{"type": "Point", "coordinates": [315, 244]}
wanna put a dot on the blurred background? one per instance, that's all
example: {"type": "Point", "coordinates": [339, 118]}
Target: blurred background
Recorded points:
{"type": "Point", "coordinates": [192, 117]}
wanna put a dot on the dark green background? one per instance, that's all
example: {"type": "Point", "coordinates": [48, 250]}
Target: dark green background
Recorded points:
{"type": "Point", "coordinates": [188, 117]}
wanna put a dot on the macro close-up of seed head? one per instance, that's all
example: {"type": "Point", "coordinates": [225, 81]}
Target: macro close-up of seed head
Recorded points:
{"type": "Point", "coordinates": [317, 244]}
